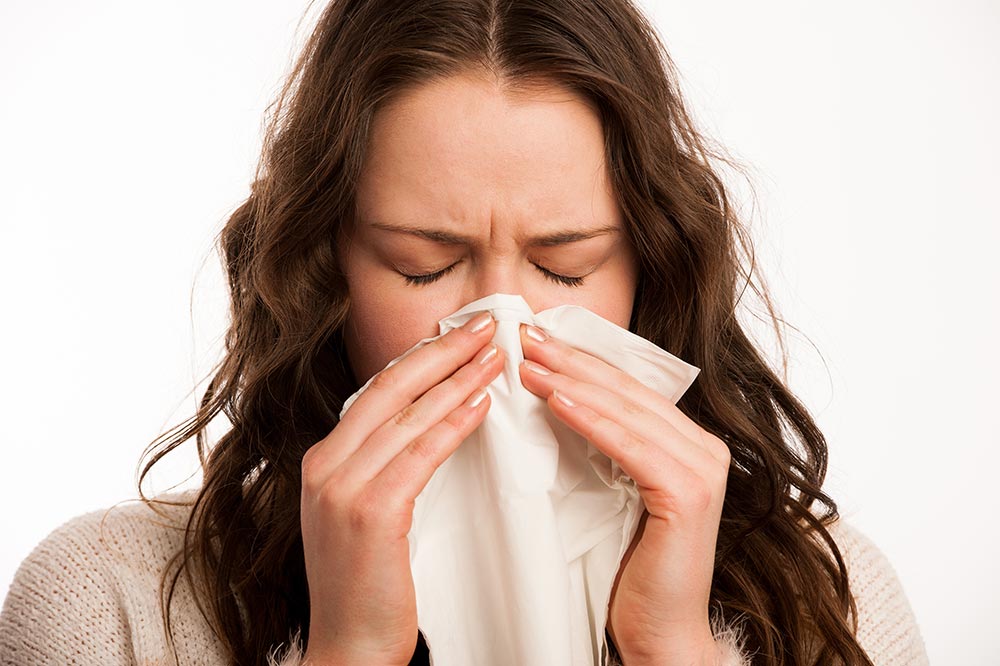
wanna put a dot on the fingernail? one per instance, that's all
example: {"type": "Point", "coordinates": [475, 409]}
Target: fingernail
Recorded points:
{"type": "Point", "coordinates": [563, 399]}
{"type": "Point", "coordinates": [487, 354]}
{"type": "Point", "coordinates": [535, 333]}
{"type": "Point", "coordinates": [534, 367]}
{"type": "Point", "coordinates": [478, 323]}
{"type": "Point", "coordinates": [476, 398]}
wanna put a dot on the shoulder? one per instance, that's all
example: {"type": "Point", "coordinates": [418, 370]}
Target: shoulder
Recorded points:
{"type": "Point", "coordinates": [887, 626]}
{"type": "Point", "coordinates": [129, 539]}
{"type": "Point", "coordinates": [89, 591]}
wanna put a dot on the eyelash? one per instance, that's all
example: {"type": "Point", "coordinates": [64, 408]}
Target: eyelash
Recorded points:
{"type": "Point", "coordinates": [564, 280]}
{"type": "Point", "coordinates": [560, 279]}
{"type": "Point", "coordinates": [427, 279]}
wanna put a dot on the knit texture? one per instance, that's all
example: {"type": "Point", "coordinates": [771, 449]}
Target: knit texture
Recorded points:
{"type": "Point", "coordinates": [89, 594]}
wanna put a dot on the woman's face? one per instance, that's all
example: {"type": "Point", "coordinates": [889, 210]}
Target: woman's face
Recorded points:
{"type": "Point", "coordinates": [495, 192]}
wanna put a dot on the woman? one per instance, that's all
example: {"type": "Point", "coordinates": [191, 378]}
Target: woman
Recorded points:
{"type": "Point", "coordinates": [424, 154]}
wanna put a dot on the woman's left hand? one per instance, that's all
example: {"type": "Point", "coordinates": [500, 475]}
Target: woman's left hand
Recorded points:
{"type": "Point", "coordinates": [659, 603]}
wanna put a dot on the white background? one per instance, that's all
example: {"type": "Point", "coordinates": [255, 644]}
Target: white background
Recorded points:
{"type": "Point", "coordinates": [129, 131]}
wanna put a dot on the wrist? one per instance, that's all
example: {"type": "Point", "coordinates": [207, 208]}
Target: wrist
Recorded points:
{"type": "Point", "coordinates": [338, 660]}
{"type": "Point", "coordinates": [701, 653]}
{"type": "Point", "coordinates": [710, 657]}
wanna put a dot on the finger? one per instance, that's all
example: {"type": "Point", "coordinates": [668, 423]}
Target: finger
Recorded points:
{"type": "Point", "coordinates": [407, 474]}
{"type": "Point", "coordinates": [395, 387]}
{"type": "Point", "coordinates": [666, 484]}
{"type": "Point", "coordinates": [629, 415]}
{"type": "Point", "coordinates": [417, 418]}
{"type": "Point", "coordinates": [565, 359]}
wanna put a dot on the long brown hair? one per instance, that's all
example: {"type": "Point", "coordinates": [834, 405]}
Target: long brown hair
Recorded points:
{"type": "Point", "coordinates": [284, 376]}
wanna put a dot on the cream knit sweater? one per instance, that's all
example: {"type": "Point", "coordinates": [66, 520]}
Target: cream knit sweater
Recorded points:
{"type": "Point", "coordinates": [88, 594]}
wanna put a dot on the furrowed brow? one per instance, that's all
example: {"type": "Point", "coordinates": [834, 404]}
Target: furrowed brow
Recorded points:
{"type": "Point", "coordinates": [571, 236]}
{"type": "Point", "coordinates": [541, 240]}
{"type": "Point", "coordinates": [436, 235]}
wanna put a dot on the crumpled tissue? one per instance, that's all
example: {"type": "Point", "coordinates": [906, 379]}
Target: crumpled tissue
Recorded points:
{"type": "Point", "coordinates": [517, 537]}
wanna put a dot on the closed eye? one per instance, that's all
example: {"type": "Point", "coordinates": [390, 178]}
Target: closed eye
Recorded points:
{"type": "Point", "coordinates": [561, 279]}
{"type": "Point", "coordinates": [433, 277]}
{"type": "Point", "coordinates": [429, 277]}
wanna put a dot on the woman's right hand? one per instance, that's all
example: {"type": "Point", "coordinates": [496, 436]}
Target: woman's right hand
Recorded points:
{"type": "Point", "coordinates": [359, 484]}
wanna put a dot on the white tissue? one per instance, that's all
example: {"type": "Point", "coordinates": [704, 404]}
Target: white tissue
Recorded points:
{"type": "Point", "coordinates": [518, 535]}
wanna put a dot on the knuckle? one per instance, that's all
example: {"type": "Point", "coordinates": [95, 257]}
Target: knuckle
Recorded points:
{"type": "Point", "coordinates": [451, 342]}
{"type": "Point", "coordinates": [456, 420]}
{"type": "Point", "coordinates": [422, 447]}
{"type": "Point", "coordinates": [701, 496]}
{"type": "Point", "coordinates": [697, 493]}
{"type": "Point", "coordinates": [364, 512]}
{"type": "Point", "coordinates": [725, 456]}
{"type": "Point", "coordinates": [330, 497]}
{"type": "Point", "coordinates": [631, 407]}
{"type": "Point", "coordinates": [310, 471]}
{"type": "Point", "coordinates": [717, 448]}
{"type": "Point", "coordinates": [384, 381]}
{"type": "Point", "coordinates": [408, 415]}
{"type": "Point", "coordinates": [310, 485]}
{"type": "Point", "coordinates": [307, 463]}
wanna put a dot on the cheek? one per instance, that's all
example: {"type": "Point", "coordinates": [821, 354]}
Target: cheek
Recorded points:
{"type": "Point", "coordinates": [614, 297]}
{"type": "Point", "coordinates": [615, 306]}
{"type": "Point", "coordinates": [382, 322]}
{"type": "Point", "coordinates": [386, 317]}
{"type": "Point", "coordinates": [382, 325]}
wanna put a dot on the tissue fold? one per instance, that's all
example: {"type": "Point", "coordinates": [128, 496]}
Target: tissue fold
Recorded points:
{"type": "Point", "coordinates": [518, 535]}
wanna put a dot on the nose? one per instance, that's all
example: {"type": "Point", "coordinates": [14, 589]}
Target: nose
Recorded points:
{"type": "Point", "coordinates": [503, 277]}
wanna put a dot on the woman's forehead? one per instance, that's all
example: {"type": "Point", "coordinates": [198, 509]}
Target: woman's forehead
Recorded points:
{"type": "Point", "coordinates": [459, 152]}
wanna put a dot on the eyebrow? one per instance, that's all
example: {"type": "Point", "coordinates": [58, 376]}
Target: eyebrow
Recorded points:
{"type": "Point", "coordinates": [541, 240]}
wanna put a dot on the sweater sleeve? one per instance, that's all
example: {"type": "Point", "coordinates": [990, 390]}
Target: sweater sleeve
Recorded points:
{"type": "Point", "coordinates": [63, 606]}
{"type": "Point", "coordinates": [887, 626]}
{"type": "Point", "coordinates": [290, 655]}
